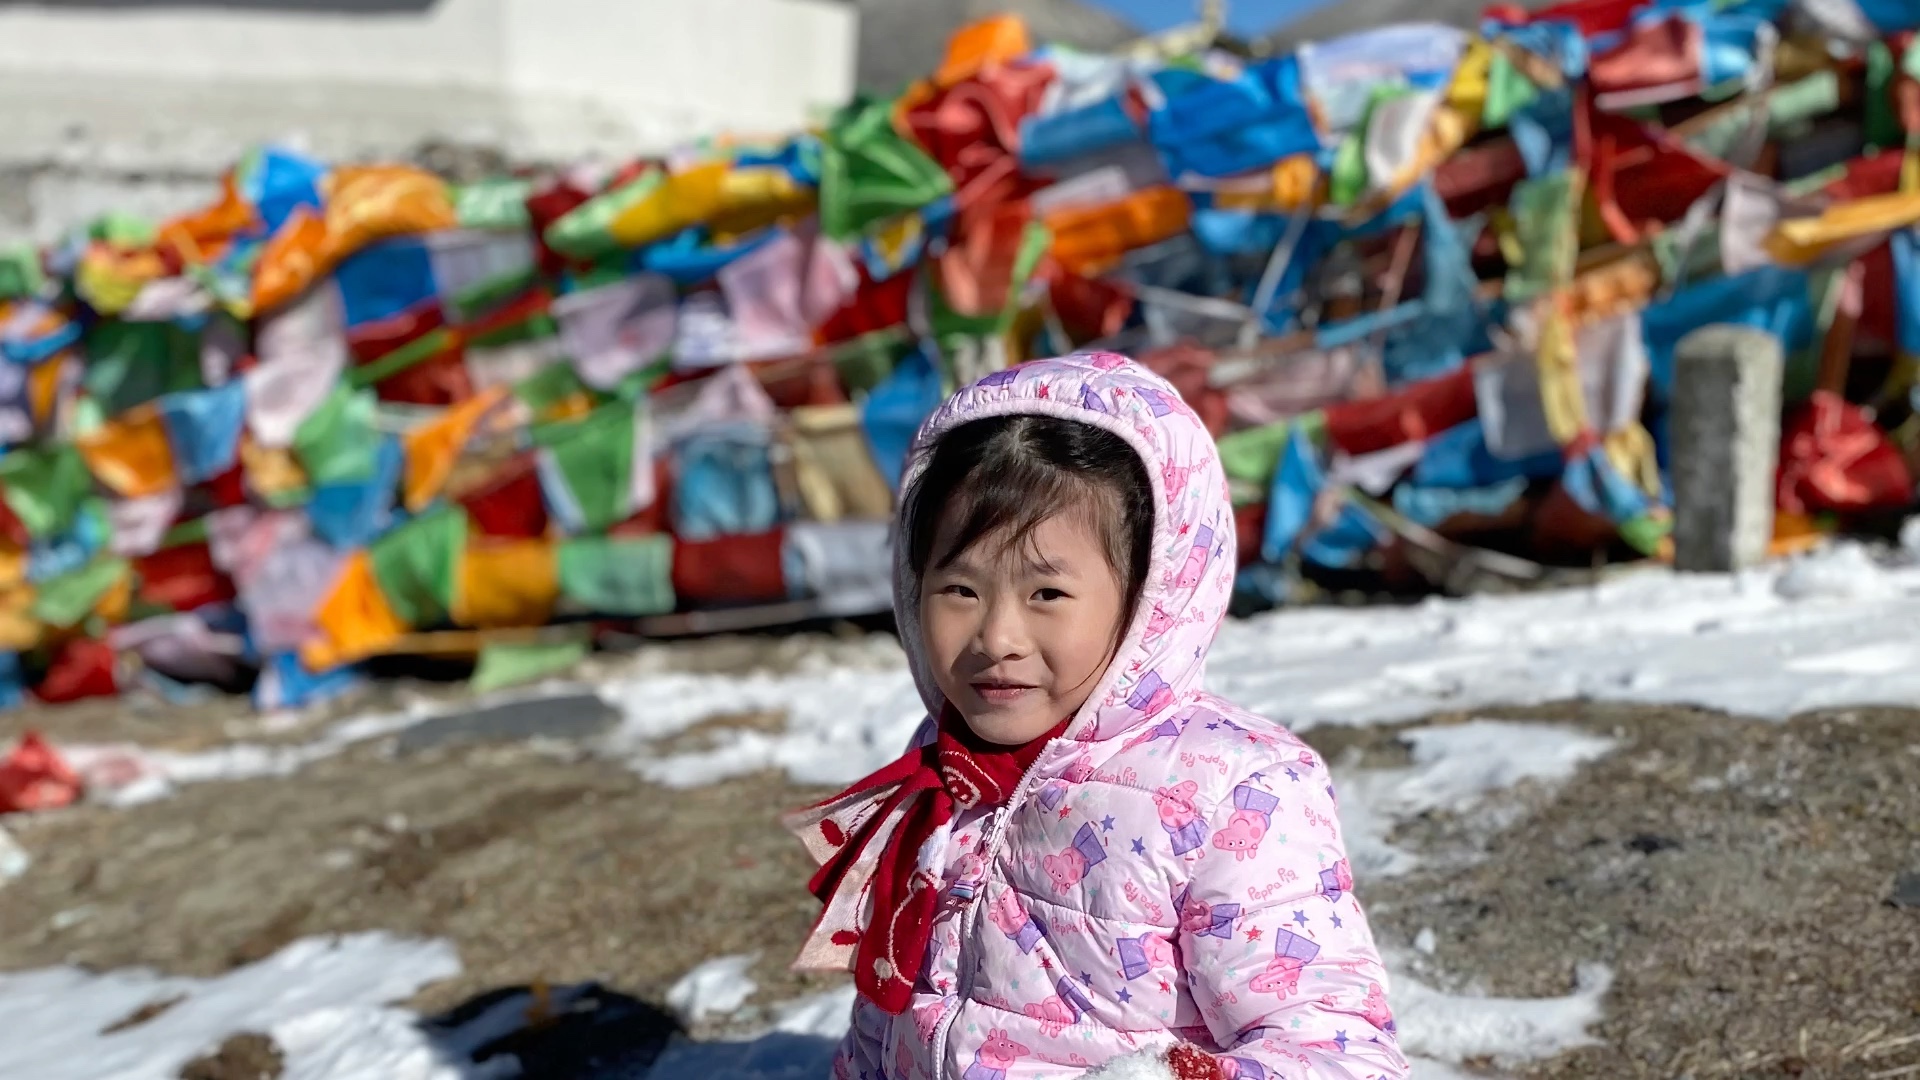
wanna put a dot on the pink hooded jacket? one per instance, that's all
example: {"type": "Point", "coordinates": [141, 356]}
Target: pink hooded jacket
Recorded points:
{"type": "Point", "coordinates": [1172, 868]}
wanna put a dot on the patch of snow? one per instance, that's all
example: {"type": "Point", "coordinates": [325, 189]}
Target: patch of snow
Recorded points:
{"type": "Point", "coordinates": [1653, 636]}
{"type": "Point", "coordinates": [1453, 1028]}
{"type": "Point", "coordinates": [123, 775]}
{"type": "Point", "coordinates": [1453, 766]}
{"type": "Point", "coordinates": [323, 1001]}
{"type": "Point", "coordinates": [1830, 628]}
{"type": "Point", "coordinates": [1145, 1065]}
{"type": "Point", "coordinates": [14, 859]}
{"type": "Point", "coordinates": [823, 1014]}
{"type": "Point", "coordinates": [842, 723]}
{"type": "Point", "coordinates": [1910, 537]}
{"type": "Point", "coordinates": [714, 988]}
{"type": "Point", "coordinates": [1841, 572]}
{"type": "Point", "coordinates": [1424, 942]}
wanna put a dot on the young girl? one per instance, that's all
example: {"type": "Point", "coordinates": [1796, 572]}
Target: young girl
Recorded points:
{"type": "Point", "coordinates": [1085, 857]}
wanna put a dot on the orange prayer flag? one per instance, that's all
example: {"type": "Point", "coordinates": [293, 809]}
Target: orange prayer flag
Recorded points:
{"type": "Point", "coordinates": [506, 582]}
{"type": "Point", "coordinates": [130, 454]}
{"type": "Point", "coordinates": [433, 448]}
{"type": "Point", "coordinates": [355, 621]}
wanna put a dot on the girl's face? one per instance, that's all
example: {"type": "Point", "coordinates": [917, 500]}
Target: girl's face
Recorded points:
{"type": "Point", "coordinates": [1019, 635]}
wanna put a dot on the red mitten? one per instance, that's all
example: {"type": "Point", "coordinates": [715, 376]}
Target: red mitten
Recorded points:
{"type": "Point", "coordinates": [1192, 1063]}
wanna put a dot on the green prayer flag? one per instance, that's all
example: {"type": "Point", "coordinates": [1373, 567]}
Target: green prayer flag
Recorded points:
{"type": "Point", "coordinates": [592, 459]}
{"type": "Point", "coordinates": [124, 230]}
{"type": "Point", "coordinates": [497, 203]}
{"type": "Point", "coordinates": [548, 387]}
{"type": "Point", "coordinates": [513, 663]}
{"type": "Point", "coordinates": [1348, 180]}
{"type": "Point", "coordinates": [1251, 456]}
{"type": "Point", "coordinates": [1548, 235]}
{"type": "Point", "coordinates": [20, 273]}
{"type": "Point", "coordinates": [1644, 533]}
{"type": "Point", "coordinates": [618, 575]}
{"type": "Point", "coordinates": [1508, 91]}
{"type": "Point", "coordinates": [870, 173]}
{"type": "Point", "coordinates": [337, 444]}
{"type": "Point", "coordinates": [581, 233]}
{"type": "Point", "coordinates": [45, 486]}
{"type": "Point", "coordinates": [417, 565]}
{"type": "Point", "coordinates": [865, 362]}
{"type": "Point", "coordinates": [132, 363]}
{"type": "Point", "coordinates": [64, 601]}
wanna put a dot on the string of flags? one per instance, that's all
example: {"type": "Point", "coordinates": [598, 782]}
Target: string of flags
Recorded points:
{"type": "Point", "coordinates": [1423, 284]}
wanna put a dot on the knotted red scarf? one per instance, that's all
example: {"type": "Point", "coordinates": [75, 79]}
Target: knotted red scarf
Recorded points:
{"type": "Point", "coordinates": [868, 841]}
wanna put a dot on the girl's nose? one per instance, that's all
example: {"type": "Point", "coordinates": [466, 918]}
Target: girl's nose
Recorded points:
{"type": "Point", "coordinates": [1003, 631]}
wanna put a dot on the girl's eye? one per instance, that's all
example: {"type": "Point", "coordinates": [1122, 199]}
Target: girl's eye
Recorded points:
{"type": "Point", "coordinates": [958, 590]}
{"type": "Point", "coordinates": [1049, 595]}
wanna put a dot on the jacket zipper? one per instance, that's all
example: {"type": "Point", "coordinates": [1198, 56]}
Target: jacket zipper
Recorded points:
{"type": "Point", "coordinates": [969, 918]}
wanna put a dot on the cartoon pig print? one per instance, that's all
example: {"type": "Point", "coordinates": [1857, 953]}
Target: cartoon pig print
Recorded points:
{"type": "Point", "coordinates": [1013, 920]}
{"type": "Point", "coordinates": [994, 1057]}
{"type": "Point", "coordinates": [1197, 556]}
{"type": "Point", "coordinates": [1151, 694]}
{"type": "Point", "coordinates": [1201, 919]}
{"type": "Point", "coordinates": [1174, 479]}
{"type": "Point", "coordinates": [1337, 880]}
{"type": "Point", "coordinates": [1106, 361]}
{"type": "Point", "coordinates": [1375, 1008]}
{"type": "Point", "coordinates": [1165, 729]}
{"type": "Point", "coordinates": [1178, 815]}
{"type": "Point", "coordinates": [1053, 1014]}
{"type": "Point", "coordinates": [1158, 403]}
{"type": "Point", "coordinates": [1234, 1068]}
{"type": "Point", "coordinates": [1139, 956]}
{"type": "Point", "coordinates": [1291, 954]}
{"type": "Point", "coordinates": [1252, 817]}
{"type": "Point", "coordinates": [926, 1020]}
{"type": "Point", "coordinates": [1159, 621]}
{"type": "Point", "coordinates": [1070, 866]}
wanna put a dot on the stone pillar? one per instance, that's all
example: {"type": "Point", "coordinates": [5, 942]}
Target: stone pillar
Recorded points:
{"type": "Point", "coordinates": [1725, 438]}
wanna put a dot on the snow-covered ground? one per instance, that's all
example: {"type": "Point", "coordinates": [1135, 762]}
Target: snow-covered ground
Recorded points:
{"type": "Point", "coordinates": [323, 1001]}
{"type": "Point", "coordinates": [1833, 628]}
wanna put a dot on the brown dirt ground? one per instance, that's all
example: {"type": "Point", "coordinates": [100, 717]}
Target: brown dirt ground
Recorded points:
{"type": "Point", "coordinates": [1735, 875]}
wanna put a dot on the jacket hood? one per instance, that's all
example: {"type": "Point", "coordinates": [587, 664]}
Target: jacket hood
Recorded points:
{"type": "Point", "coordinates": [1163, 656]}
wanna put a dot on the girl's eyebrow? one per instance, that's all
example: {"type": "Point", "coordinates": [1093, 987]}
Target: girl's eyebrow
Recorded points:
{"type": "Point", "coordinates": [1048, 566]}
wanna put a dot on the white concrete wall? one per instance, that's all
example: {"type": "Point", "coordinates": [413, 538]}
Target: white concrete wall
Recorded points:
{"type": "Point", "coordinates": [129, 102]}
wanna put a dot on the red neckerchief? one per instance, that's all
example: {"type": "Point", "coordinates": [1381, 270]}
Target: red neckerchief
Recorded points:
{"type": "Point", "coordinates": [867, 840]}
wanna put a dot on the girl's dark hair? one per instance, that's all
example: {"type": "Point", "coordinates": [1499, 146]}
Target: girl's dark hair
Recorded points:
{"type": "Point", "coordinates": [1004, 475]}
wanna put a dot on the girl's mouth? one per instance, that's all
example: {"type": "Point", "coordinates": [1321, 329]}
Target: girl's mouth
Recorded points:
{"type": "Point", "coordinates": [1002, 693]}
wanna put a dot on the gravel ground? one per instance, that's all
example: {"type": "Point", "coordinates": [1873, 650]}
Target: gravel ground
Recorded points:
{"type": "Point", "coordinates": [1736, 876]}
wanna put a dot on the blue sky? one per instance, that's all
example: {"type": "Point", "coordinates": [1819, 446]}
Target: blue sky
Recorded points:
{"type": "Point", "coordinates": [1243, 16]}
